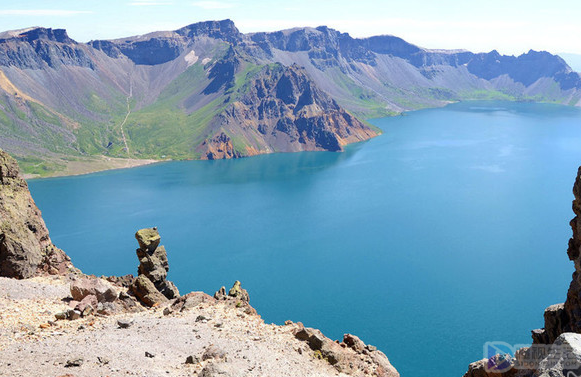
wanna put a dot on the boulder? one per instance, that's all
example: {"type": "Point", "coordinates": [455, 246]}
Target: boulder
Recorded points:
{"type": "Point", "coordinates": [563, 358]}
{"type": "Point", "coordinates": [383, 366]}
{"type": "Point", "coordinates": [128, 302]}
{"type": "Point", "coordinates": [313, 337]}
{"type": "Point", "coordinates": [86, 286]}
{"type": "Point", "coordinates": [192, 359]}
{"type": "Point", "coordinates": [120, 281]}
{"type": "Point", "coordinates": [146, 292]}
{"type": "Point", "coordinates": [191, 300]}
{"type": "Point", "coordinates": [220, 370]}
{"type": "Point", "coordinates": [354, 342]}
{"type": "Point", "coordinates": [169, 290]}
{"type": "Point", "coordinates": [87, 305]}
{"type": "Point", "coordinates": [73, 314]}
{"type": "Point", "coordinates": [125, 323]}
{"type": "Point", "coordinates": [214, 353]}
{"type": "Point", "coordinates": [154, 265]}
{"type": "Point", "coordinates": [148, 239]}
{"type": "Point", "coordinates": [107, 308]}
{"type": "Point", "coordinates": [76, 362]}
{"type": "Point", "coordinates": [221, 294]}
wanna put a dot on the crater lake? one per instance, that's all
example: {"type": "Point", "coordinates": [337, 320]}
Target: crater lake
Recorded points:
{"type": "Point", "coordinates": [447, 231]}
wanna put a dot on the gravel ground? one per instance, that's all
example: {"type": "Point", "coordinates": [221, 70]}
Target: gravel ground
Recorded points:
{"type": "Point", "coordinates": [251, 347]}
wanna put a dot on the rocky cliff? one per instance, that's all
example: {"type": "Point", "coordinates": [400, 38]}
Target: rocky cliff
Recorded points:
{"type": "Point", "coordinates": [25, 246]}
{"type": "Point", "coordinates": [186, 93]}
{"type": "Point", "coordinates": [40, 48]}
{"type": "Point", "coordinates": [282, 110]}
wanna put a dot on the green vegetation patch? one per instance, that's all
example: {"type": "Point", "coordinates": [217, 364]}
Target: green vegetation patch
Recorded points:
{"type": "Point", "coordinates": [482, 94]}
{"type": "Point", "coordinates": [37, 166]}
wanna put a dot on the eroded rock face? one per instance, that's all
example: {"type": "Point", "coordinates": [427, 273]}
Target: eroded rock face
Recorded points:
{"type": "Point", "coordinates": [25, 246]}
{"type": "Point", "coordinates": [283, 110]}
{"type": "Point", "coordinates": [151, 285]}
{"type": "Point", "coordinates": [40, 48]}
{"type": "Point", "coordinates": [220, 147]}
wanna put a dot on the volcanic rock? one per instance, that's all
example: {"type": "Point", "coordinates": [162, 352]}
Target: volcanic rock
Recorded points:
{"type": "Point", "coordinates": [237, 297]}
{"type": "Point", "coordinates": [146, 292]}
{"type": "Point", "coordinates": [151, 285]}
{"type": "Point", "coordinates": [351, 356]}
{"type": "Point", "coordinates": [87, 286]}
{"type": "Point", "coordinates": [25, 246]}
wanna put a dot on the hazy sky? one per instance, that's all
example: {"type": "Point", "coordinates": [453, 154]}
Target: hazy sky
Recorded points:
{"type": "Point", "coordinates": [510, 26]}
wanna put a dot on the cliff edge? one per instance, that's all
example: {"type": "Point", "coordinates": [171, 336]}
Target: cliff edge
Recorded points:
{"type": "Point", "coordinates": [25, 246]}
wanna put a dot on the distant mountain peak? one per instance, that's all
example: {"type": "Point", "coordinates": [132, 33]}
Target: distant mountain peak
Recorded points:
{"type": "Point", "coordinates": [223, 29]}
{"type": "Point", "coordinates": [38, 33]}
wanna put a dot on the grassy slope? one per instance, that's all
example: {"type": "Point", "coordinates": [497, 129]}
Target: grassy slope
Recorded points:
{"type": "Point", "coordinates": [164, 129]}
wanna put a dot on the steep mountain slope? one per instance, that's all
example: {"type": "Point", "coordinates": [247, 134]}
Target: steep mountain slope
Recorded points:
{"type": "Point", "coordinates": [384, 73]}
{"type": "Point", "coordinates": [209, 91]}
{"type": "Point", "coordinates": [283, 111]}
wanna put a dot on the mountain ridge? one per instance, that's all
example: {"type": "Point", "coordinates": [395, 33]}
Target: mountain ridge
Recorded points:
{"type": "Point", "coordinates": [161, 94]}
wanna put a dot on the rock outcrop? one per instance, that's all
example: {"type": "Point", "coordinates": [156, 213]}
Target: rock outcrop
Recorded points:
{"type": "Point", "coordinates": [563, 358]}
{"type": "Point", "coordinates": [151, 286]}
{"type": "Point", "coordinates": [283, 110]}
{"type": "Point", "coordinates": [351, 356]}
{"type": "Point", "coordinates": [41, 48]}
{"type": "Point", "coordinates": [25, 246]}
{"type": "Point", "coordinates": [236, 297]}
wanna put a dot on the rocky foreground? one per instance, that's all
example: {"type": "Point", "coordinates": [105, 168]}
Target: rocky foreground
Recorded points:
{"type": "Point", "coordinates": [57, 321]}
{"type": "Point", "coordinates": [194, 335]}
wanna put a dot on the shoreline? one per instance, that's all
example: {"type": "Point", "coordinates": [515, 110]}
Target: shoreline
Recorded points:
{"type": "Point", "coordinates": [91, 165]}
{"type": "Point", "coordinates": [95, 164]}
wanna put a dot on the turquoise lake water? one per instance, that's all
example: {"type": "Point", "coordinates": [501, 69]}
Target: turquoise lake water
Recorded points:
{"type": "Point", "coordinates": [447, 231]}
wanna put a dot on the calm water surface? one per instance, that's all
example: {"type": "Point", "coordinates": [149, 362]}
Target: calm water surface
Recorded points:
{"type": "Point", "coordinates": [447, 231]}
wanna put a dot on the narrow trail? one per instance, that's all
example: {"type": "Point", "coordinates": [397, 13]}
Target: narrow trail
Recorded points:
{"type": "Point", "coordinates": [126, 117]}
